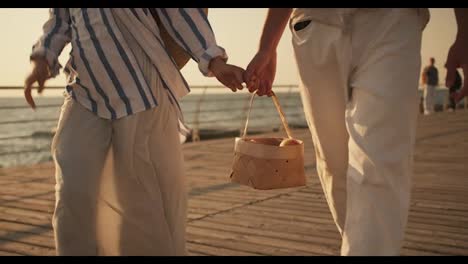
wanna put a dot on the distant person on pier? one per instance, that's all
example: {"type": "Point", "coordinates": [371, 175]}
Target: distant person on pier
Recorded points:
{"type": "Point", "coordinates": [430, 79]}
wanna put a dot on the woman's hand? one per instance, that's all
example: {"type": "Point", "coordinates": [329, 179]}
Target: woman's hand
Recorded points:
{"type": "Point", "coordinates": [229, 75]}
{"type": "Point", "coordinates": [40, 74]}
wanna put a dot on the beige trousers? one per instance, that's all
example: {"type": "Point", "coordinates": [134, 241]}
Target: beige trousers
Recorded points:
{"type": "Point", "coordinates": [429, 99]}
{"type": "Point", "coordinates": [120, 187]}
{"type": "Point", "coordinates": [359, 92]}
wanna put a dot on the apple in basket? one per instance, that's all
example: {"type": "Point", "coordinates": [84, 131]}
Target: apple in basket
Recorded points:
{"type": "Point", "coordinates": [288, 142]}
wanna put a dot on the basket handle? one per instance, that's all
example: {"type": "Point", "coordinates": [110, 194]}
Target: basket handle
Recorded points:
{"type": "Point", "coordinates": [278, 108]}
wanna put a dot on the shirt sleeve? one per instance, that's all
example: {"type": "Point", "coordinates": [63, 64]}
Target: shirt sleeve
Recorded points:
{"type": "Point", "coordinates": [56, 35]}
{"type": "Point", "coordinates": [192, 31]}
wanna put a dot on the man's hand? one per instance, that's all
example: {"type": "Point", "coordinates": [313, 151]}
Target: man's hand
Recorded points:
{"type": "Point", "coordinates": [229, 75]}
{"type": "Point", "coordinates": [260, 73]}
{"type": "Point", "coordinates": [39, 74]}
{"type": "Point", "coordinates": [458, 58]}
{"type": "Point", "coordinates": [458, 54]}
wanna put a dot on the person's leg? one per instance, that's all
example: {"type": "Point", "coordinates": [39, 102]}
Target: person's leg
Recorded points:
{"type": "Point", "coordinates": [433, 98]}
{"type": "Point", "coordinates": [381, 121]}
{"type": "Point", "coordinates": [452, 104]}
{"type": "Point", "coordinates": [149, 182]}
{"type": "Point", "coordinates": [167, 159]}
{"type": "Point", "coordinates": [79, 149]}
{"type": "Point", "coordinates": [322, 55]}
{"type": "Point", "coordinates": [427, 100]}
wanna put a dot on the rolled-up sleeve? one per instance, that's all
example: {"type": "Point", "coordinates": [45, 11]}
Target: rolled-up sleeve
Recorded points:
{"type": "Point", "coordinates": [190, 28]}
{"type": "Point", "coordinates": [56, 35]}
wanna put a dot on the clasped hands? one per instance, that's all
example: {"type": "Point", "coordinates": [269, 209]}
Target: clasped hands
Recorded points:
{"type": "Point", "coordinates": [258, 76]}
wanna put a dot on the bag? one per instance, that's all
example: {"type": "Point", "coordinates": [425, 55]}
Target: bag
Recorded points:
{"type": "Point", "coordinates": [263, 164]}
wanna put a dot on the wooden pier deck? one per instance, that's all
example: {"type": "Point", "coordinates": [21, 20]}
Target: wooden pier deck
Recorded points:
{"type": "Point", "coordinates": [228, 219]}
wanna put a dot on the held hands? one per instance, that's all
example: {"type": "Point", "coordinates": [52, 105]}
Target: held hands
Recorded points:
{"type": "Point", "coordinates": [39, 74]}
{"type": "Point", "coordinates": [260, 73]}
{"type": "Point", "coordinates": [229, 75]}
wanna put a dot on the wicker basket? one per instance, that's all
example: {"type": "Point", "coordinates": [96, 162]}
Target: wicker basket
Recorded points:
{"type": "Point", "coordinates": [265, 166]}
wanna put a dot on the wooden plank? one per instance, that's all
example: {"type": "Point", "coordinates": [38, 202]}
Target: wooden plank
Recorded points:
{"type": "Point", "coordinates": [439, 215]}
{"type": "Point", "coordinates": [245, 246]}
{"type": "Point", "coordinates": [234, 194]}
{"type": "Point", "coordinates": [25, 213]}
{"type": "Point", "coordinates": [19, 227]}
{"type": "Point", "coordinates": [439, 228]}
{"type": "Point", "coordinates": [25, 248]}
{"type": "Point", "coordinates": [49, 209]}
{"type": "Point", "coordinates": [439, 204]}
{"type": "Point", "coordinates": [291, 219]}
{"type": "Point", "coordinates": [304, 206]}
{"type": "Point", "coordinates": [417, 252]}
{"type": "Point", "coordinates": [196, 254]}
{"type": "Point", "coordinates": [27, 237]}
{"type": "Point", "coordinates": [433, 233]}
{"type": "Point", "coordinates": [37, 194]}
{"type": "Point", "coordinates": [446, 211]}
{"type": "Point", "coordinates": [442, 225]}
{"type": "Point", "coordinates": [209, 250]}
{"type": "Point", "coordinates": [26, 220]}
{"type": "Point", "coordinates": [313, 241]}
{"type": "Point", "coordinates": [441, 249]}
{"type": "Point", "coordinates": [273, 224]}
{"type": "Point", "coordinates": [24, 199]}
{"type": "Point", "coordinates": [315, 217]}
{"type": "Point", "coordinates": [261, 240]}
{"type": "Point", "coordinates": [9, 253]}
{"type": "Point", "coordinates": [436, 240]}
{"type": "Point", "coordinates": [242, 192]}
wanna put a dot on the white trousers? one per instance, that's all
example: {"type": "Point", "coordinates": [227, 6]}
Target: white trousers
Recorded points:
{"type": "Point", "coordinates": [429, 99]}
{"type": "Point", "coordinates": [120, 187]}
{"type": "Point", "coordinates": [359, 91]}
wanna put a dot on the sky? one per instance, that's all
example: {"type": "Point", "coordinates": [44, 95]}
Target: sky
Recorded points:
{"type": "Point", "coordinates": [237, 30]}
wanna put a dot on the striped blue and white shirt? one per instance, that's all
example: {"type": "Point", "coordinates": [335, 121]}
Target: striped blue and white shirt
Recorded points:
{"type": "Point", "coordinates": [103, 74]}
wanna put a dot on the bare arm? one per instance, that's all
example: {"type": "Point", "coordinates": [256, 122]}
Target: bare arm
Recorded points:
{"type": "Point", "coordinates": [261, 71]}
{"type": "Point", "coordinates": [44, 57]}
{"type": "Point", "coordinates": [458, 54]}
{"type": "Point", "coordinates": [275, 23]}
{"type": "Point", "coordinates": [461, 15]}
